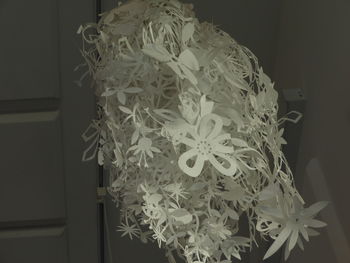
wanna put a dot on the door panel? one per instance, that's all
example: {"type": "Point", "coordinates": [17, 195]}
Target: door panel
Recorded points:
{"type": "Point", "coordinates": [31, 185]}
{"type": "Point", "coordinates": [43, 248]}
{"type": "Point", "coordinates": [29, 49]}
{"type": "Point", "coordinates": [44, 185]}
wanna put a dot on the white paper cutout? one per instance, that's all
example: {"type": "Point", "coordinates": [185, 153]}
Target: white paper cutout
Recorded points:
{"type": "Point", "coordinates": [188, 130]}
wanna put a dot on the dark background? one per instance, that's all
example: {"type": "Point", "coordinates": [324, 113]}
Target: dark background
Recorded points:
{"type": "Point", "coordinates": [48, 203]}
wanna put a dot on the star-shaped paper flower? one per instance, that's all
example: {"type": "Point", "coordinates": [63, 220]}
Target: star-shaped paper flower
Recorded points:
{"type": "Point", "coordinates": [207, 144]}
{"type": "Point", "coordinates": [130, 230]}
{"type": "Point", "coordinates": [288, 223]}
{"type": "Point", "coordinates": [144, 148]}
{"type": "Point", "coordinates": [121, 91]}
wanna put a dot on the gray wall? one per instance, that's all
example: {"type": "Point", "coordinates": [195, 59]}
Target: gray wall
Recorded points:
{"type": "Point", "coordinates": [313, 56]}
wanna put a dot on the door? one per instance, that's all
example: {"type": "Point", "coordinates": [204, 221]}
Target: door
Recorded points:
{"type": "Point", "coordinates": [47, 195]}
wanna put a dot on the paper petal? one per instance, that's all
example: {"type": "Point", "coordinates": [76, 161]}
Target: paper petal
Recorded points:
{"type": "Point", "coordinates": [188, 59]}
{"type": "Point", "coordinates": [198, 165]}
{"type": "Point", "coordinates": [282, 237]}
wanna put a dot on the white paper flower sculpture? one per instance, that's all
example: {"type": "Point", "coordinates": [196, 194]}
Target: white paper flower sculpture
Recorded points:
{"type": "Point", "coordinates": [188, 130]}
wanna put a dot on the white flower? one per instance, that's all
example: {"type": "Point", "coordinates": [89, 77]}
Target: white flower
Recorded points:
{"type": "Point", "coordinates": [158, 235]}
{"type": "Point", "coordinates": [291, 222]}
{"type": "Point", "coordinates": [120, 90]}
{"type": "Point", "coordinates": [207, 144]}
{"type": "Point", "coordinates": [176, 190]}
{"type": "Point", "coordinates": [144, 148]}
{"type": "Point", "coordinates": [152, 208]}
{"type": "Point", "coordinates": [218, 229]}
{"type": "Point", "coordinates": [130, 230]}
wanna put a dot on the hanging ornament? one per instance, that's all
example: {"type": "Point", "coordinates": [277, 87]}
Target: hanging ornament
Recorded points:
{"type": "Point", "coordinates": [189, 133]}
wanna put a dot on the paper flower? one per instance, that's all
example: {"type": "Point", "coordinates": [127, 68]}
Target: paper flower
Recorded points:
{"type": "Point", "coordinates": [207, 145]}
{"type": "Point", "coordinates": [130, 230]}
{"type": "Point", "coordinates": [188, 131]}
{"type": "Point", "coordinates": [143, 149]}
{"type": "Point", "coordinates": [290, 223]}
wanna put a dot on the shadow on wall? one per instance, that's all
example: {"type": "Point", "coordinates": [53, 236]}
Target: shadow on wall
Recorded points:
{"type": "Point", "coordinates": [313, 55]}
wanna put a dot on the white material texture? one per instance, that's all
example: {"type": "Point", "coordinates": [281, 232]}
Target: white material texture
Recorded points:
{"type": "Point", "coordinates": [188, 129]}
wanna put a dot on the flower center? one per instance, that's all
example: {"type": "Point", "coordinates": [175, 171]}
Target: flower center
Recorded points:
{"type": "Point", "coordinates": [204, 148]}
{"type": "Point", "coordinates": [144, 144]}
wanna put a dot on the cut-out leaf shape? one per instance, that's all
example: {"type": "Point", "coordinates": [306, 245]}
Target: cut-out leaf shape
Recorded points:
{"type": "Point", "coordinates": [188, 60]}
{"type": "Point", "coordinates": [182, 66]}
{"type": "Point", "coordinates": [182, 215]}
{"type": "Point", "coordinates": [187, 32]}
{"type": "Point", "coordinates": [157, 52]}
{"type": "Point", "coordinates": [232, 213]}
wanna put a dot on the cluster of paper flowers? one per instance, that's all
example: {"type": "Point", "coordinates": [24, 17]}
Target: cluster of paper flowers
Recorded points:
{"type": "Point", "coordinates": [188, 130]}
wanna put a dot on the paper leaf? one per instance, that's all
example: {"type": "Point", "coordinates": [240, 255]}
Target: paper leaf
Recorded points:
{"type": "Point", "coordinates": [154, 199]}
{"type": "Point", "coordinates": [215, 213]}
{"type": "Point", "coordinates": [229, 196]}
{"type": "Point", "coordinates": [167, 114]}
{"type": "Point", "coordinates": [235, 116]}
{"type": "Point", "coordinates": [239, 143]}
{"type": "Point", "coordinates": [189, 75]}
{"type": "Point", "coordinates": [133, 90]}
{"type": "Point", "coordinates": [206, 106]}
{"type": "Point", "coordinates": [188, 59]}
{"type": "Point", "coordinates": [157, 52]}
{"type": "Point", "coordinates": [197, 186]}
{"type": "Point", "coordinates": [232, 214]}
{"type": "Point", "coordinates": [176, 68]}
{"type": "Point", "coordinates": [182, 215]}
{"type": "Point", "coordinates": [125, 110]}
{"type": "Point", "coordinates": [187, 32]}
{"type": "Point", "coordinates": [109, 92]}
{"type": "Point", "coordinates": [121, 97]}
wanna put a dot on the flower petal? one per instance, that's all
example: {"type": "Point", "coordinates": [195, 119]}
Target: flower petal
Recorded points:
{"type": "Point", "coordinates": [219, 148]}
{"type": "Point", "coordinates": [314, 209]}
{"type": "Point", "coordinates": [293, 239]}
{"type": "Point", "coordinates": [188, 142]}
{"type": "Point", "coordinates": [205, 128]}
{"type": "Point", "coordinates": [121, 97]}
{"type": "Point", "coordinates": [155, 149]}
{"type": "Point", "coordinates": [222, 137]}
{"type": "Point", "coordinates": [198, 166]}
{"type": "Point", "coordinates": [157, 52]}
{"type": "Point", "coordinates": [314, 223]}
{"type": "Point", "coordinates": [188, 59]}
{"type": "Point", "coordinates": [282, 237]}
{"type": "Point", "coordinates": [133, 90]}
{"type": "Point", "coordinates": [230, 171]}
{"type": "Point", "coordinates": [304, 233]}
